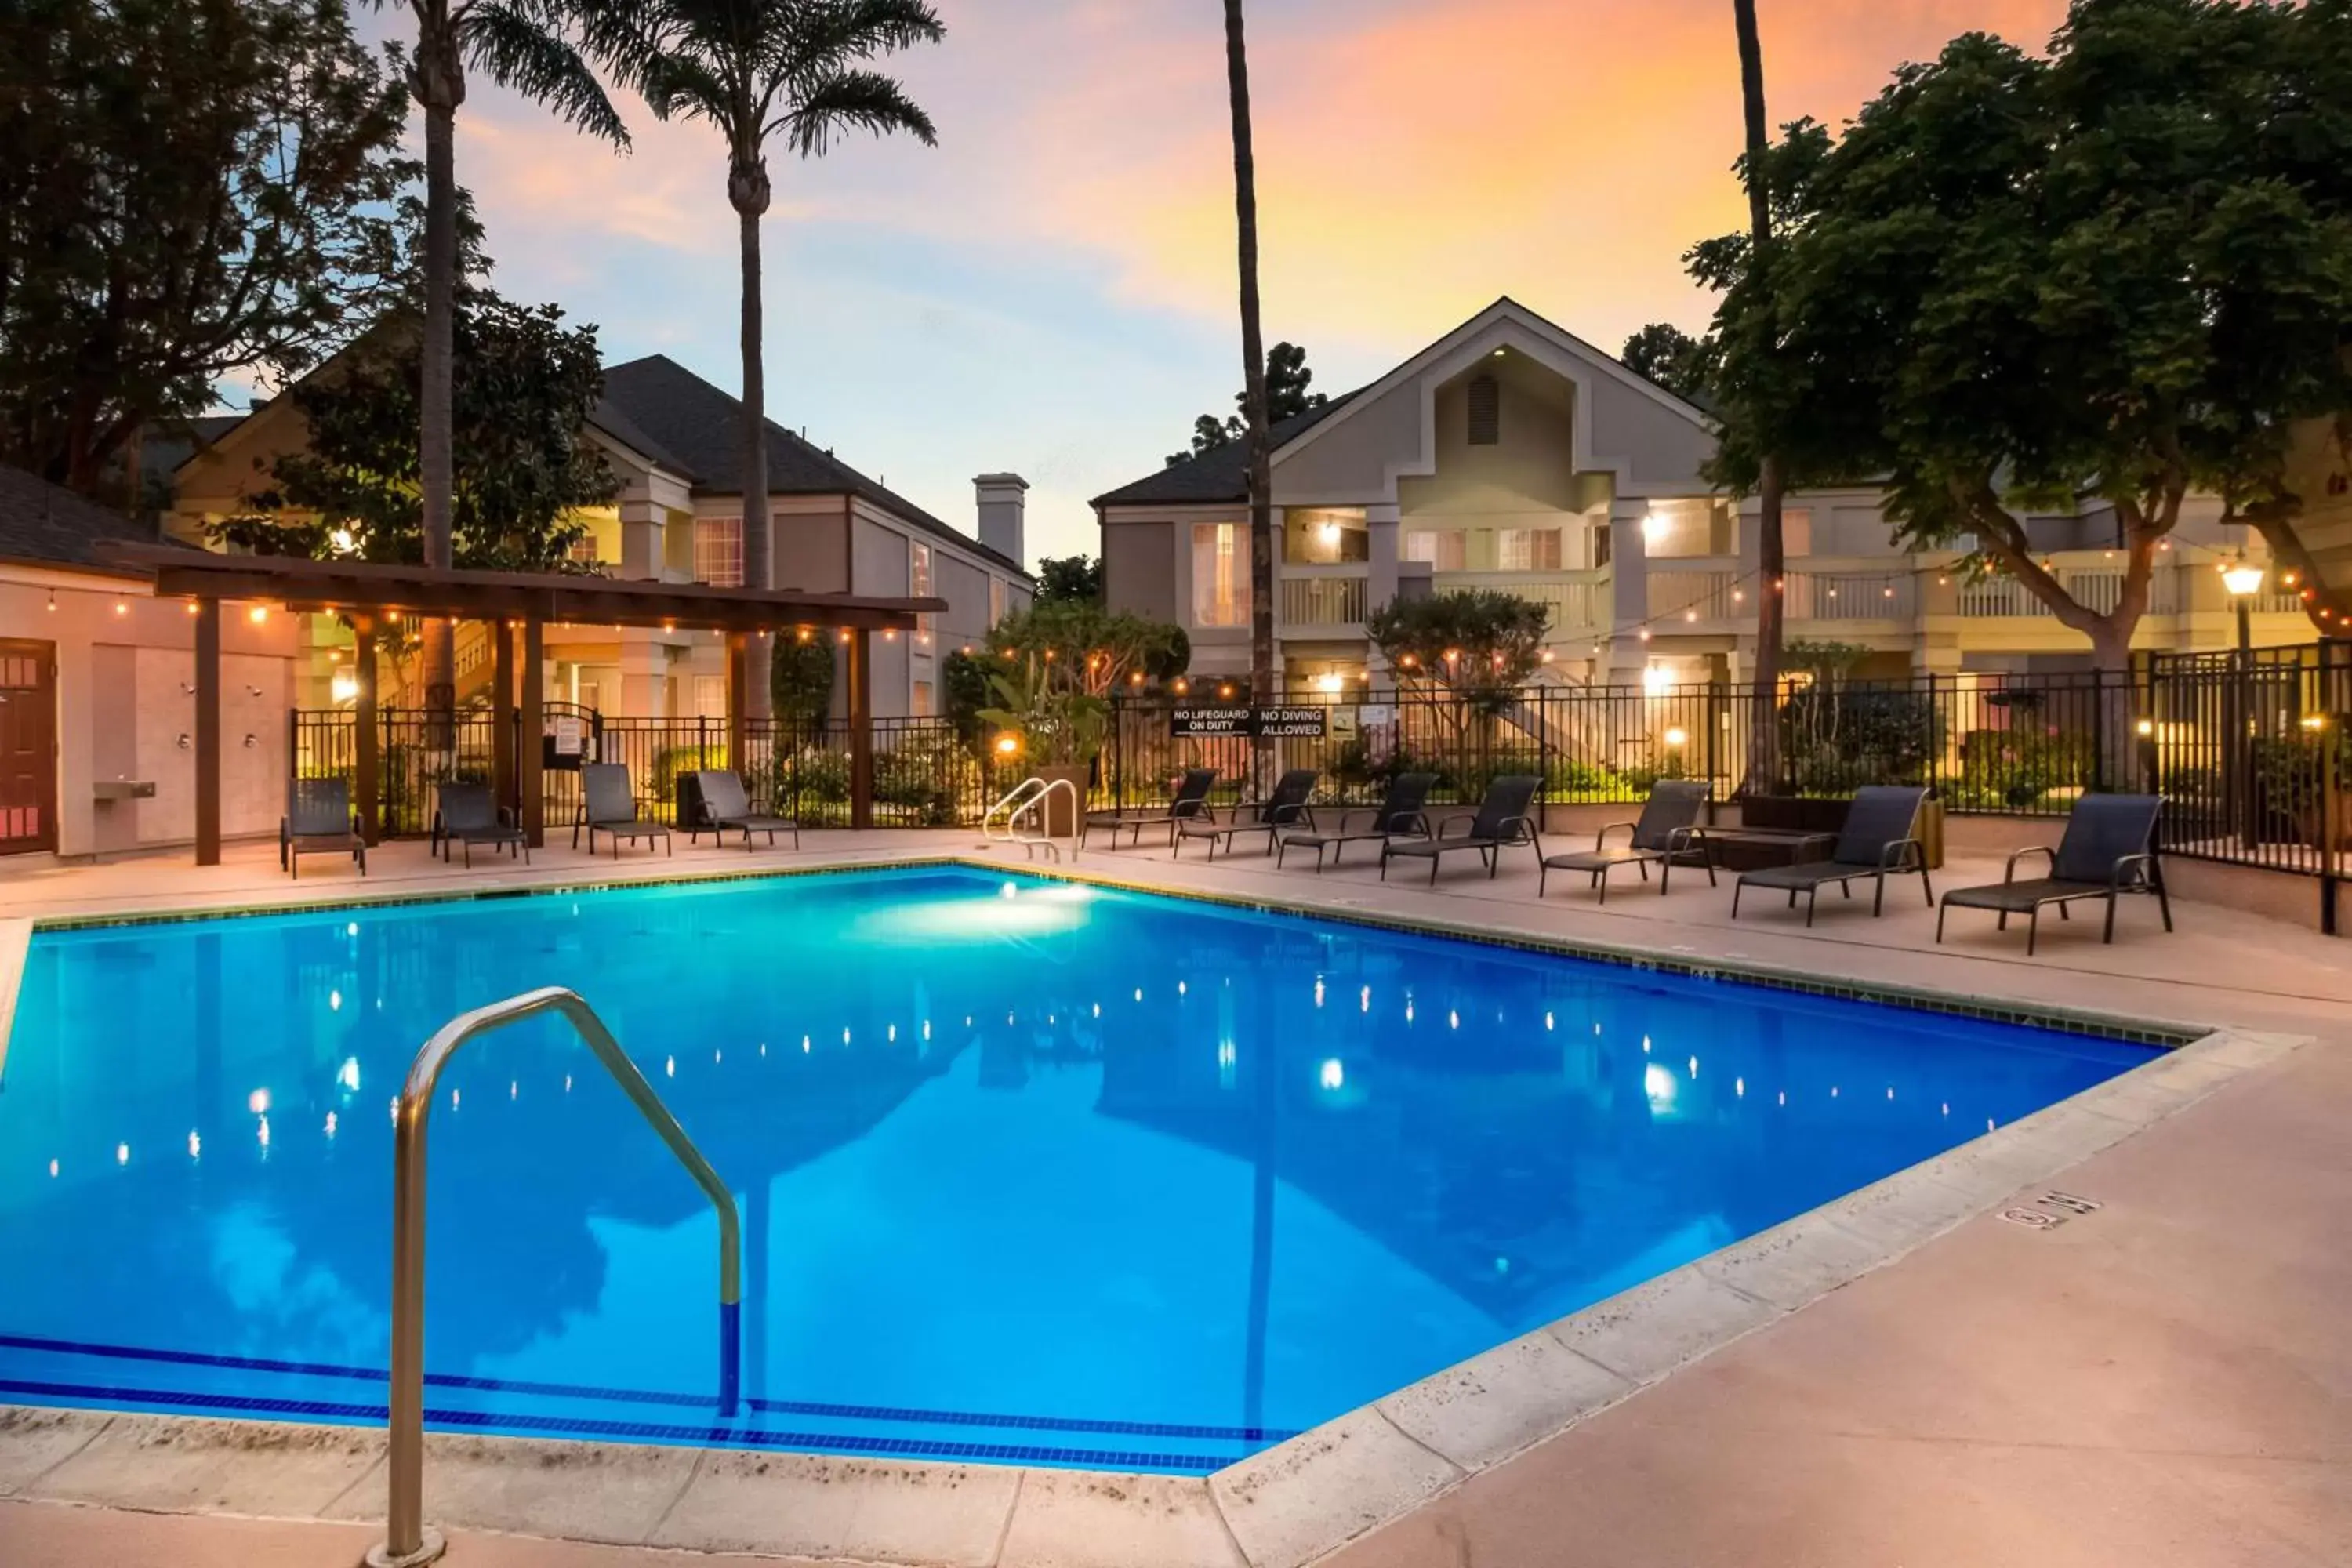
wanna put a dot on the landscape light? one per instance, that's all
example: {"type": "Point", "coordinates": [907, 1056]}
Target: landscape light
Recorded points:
{"type": "Point", "coordinates": [1677, 738]}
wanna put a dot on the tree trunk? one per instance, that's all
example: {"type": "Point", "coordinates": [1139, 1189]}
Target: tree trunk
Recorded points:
{"type": "Point", "coordinates": [1253, 397]}
{"type": "Point", "coordinates": [439, 87]}
{"type": "Point", "coordinates": [748, 189]}
{"type": "Point", "coordinates": [1763, 729]}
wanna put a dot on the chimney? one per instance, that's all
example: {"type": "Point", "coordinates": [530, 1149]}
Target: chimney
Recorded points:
{"type": "Point", "coordinates": [1002, 507]}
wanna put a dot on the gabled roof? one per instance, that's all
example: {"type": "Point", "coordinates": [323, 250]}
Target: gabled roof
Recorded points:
{"type": "Point", "coordinates": [47, 524]}
{"type": "Point", "coordinates": [701, 426]}
{"type": "Point", "coordinates": [607, 416]}
{"type": "Point", "coordinates": [1223, 475]}
{"type": "Point", "coordinates": [1220, 474]}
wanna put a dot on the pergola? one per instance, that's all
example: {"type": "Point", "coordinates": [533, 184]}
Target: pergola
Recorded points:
{"type": "Point", "coordinates": [368, 593]}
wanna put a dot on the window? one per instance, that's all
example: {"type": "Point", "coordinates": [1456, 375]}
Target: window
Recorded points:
{"type": "Point", "coordinates": [711, 697]}
{"type": "Point", "coordinates": [1442, 548]}
{"type": "Point", "coordinates": [995, 600]}
{"type": "Point", "coordinates": [583, 550]}
{"type": "Point", "coordinates": [1796, 532]}
{"type": "Point", "coordinates": [921, 703]}
{"type": "Point", "coordinates": [1485, 411]}
{"type": "Point", "coordinates": [1528, 549]}
{"type": "Point", "coordinates": [719, 551]}
{"type": "Point", "coordinates": [919, 578]}
{"type": "Point", "coordinates": [1220, 575]}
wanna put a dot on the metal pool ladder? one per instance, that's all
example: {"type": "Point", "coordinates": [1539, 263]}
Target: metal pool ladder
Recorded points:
{"type": "Point", "coordinates": [408, 1540]}
{"type": "Point", "coordinates": [1028, 801]}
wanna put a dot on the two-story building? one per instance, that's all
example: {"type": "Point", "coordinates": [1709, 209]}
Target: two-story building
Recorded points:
{"type": "Point", "coordinates": [672, 441]}
{"type": "Point", "coordinates": [1511, 454]}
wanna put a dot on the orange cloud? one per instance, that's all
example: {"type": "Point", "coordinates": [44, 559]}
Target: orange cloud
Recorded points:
{"type": "Point", "coordinates": [1414, 160]}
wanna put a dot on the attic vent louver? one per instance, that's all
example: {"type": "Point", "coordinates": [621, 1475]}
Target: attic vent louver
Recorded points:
{"type": "Point", "coordinates": [1485, 411]}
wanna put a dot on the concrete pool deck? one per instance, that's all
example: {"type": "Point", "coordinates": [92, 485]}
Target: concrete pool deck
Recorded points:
{"type": "Point", "coordinates": [2164, 1378]}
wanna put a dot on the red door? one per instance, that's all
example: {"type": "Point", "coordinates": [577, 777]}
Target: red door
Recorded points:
{"type": "Point", "coordinates": [29, 747]}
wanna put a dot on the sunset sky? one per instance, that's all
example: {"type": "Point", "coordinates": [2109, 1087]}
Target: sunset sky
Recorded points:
{"type": "Point", "coordinates": [1051, 290]}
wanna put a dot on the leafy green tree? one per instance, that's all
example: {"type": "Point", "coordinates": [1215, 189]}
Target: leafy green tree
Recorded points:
{"type": "Point", "coordinates": [1664, 353]}
{"type": "Point", "coordinates": [1091, 648]}
{"type": "Point", "coordinates": [191, 189]}
{"type": "Point", "coordinates": [526, 465]}
{"type": "Point", "coordinates": [800, 681]}
{"type": "Point", "coordinates": [524, 45]}
{"type": "Point", "coordinates": [756, 70]}
{"type": "Point", "coordinates": [1069, 577]}
{"type": "Point", "coordinates": [1288, 380]}
{"type": "Point", "coordinates": [1481, 644]}
{"type": "Point", "coordinates": [2099, 279]}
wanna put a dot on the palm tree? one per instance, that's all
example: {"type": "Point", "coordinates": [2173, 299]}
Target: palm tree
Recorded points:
{"type": "Point", "coordinates": [1253, 395]}
{"type": "Point", "coordinates": [518, 44]}
{"type": "Point", "coordinates": [1770, 557]}
{"type": "Point", "coordinates": [758, 69]}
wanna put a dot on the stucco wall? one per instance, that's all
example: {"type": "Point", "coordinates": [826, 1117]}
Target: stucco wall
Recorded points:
{"type": "Point", "coordinates": [1525, 479]}
{"type": "Point", "coordinates": [125, 696]}
{"type": "Point", "coordinates": [1139, 568]}
{"type": "Point", "coordinates": [812, 543]}
{"type": "Point", "coordinates": [1348, 461]}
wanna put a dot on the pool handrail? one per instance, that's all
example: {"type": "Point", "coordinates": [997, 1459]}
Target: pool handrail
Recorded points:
{"type": "Point", "coordinates": [407, 1540]}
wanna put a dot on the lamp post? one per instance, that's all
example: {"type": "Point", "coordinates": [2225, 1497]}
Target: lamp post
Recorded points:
{"type": "Point", "coordinates": [2244, 581]}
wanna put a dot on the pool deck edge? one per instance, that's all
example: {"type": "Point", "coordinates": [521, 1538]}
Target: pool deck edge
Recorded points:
{"type": "Point", "coordinates": [16, 943]}
{"type": "Point", "coordinates": [1289, 1505]}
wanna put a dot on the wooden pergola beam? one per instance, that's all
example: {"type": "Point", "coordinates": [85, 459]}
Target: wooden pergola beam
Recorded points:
{"type": "Point", "coordinates": [366, 587]}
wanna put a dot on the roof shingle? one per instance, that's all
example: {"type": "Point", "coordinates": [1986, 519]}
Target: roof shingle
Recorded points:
{"type": "Point", "coordinates": [49, 525]}
{"type": "Point", "coordinates": [699, 427]}
{"type": "Point", "coordinates": [1222, 475]}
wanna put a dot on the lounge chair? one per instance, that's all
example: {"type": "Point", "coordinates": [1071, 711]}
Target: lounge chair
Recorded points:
{"type": "Point", "coordinates": [319, 821]}
{"type": "Point", "coordinates": [2108, 849]}
{"type": "Point", "coordinates": [1878, 840]}
{"type": "Point", "coordinates": [1191, 800]}
{"type": "Point", "coordinates": [724, 808]}
{"type": "Point", "coordinates": [1399, 815]}
{"type": "Point", "coordinates": [467, 814]}
{"type": "Point", "coordinates": [608, 805]}
{"type": "Point", "coordinates": [1666, 833]}
{"type": "Point", "coordinates": [1501, 821]}
{"type": "Point", "coordinates": [1285, 807]}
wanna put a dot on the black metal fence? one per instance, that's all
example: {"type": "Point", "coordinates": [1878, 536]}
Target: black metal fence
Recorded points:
{"type": "Point", "coordinates": [2250, 751]}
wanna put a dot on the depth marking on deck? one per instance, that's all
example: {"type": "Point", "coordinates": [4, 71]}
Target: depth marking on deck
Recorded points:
{"type": "Point", "coordinates": [2051, 1210]}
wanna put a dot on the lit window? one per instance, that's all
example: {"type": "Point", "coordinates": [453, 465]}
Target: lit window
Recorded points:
{"type": "Point", "coordinates": [995, 600]}
{"type": "Point", "coordinates": [584, 551]}
{"type": "Point", "coordinates": [719, 551]}
{"type": "Point", "coordinates": [919, 579]}
{"type": "Point", "coordinates": [1443, 549]}
{"type": "Point", "coordinates": [1220, 575]}
{"type": "Point", "coordinates": [1528, 549]}
{"type": "Point", "coordinates": [711, 697]}
{"type": "Point", "coordinates": [921, 703]}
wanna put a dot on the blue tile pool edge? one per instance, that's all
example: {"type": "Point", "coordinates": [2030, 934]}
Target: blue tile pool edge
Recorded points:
{"type": "Point", "coordinates": [1352, 1474]}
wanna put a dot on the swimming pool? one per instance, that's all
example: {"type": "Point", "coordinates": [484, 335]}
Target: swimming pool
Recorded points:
{"type": "Point", "coordinates": [1030, 1172]}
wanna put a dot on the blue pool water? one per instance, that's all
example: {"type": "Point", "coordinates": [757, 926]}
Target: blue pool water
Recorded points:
{"type": "Point", "coordinates": [1028, 1171]}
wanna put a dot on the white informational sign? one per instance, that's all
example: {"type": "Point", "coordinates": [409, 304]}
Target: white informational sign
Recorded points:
{"type": "Point", "coordinates": [570, 736]}
{"type": "Point", "coordinates": [1375, 714]}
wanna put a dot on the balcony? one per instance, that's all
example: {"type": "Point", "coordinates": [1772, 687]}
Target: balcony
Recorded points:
{"type": "Point", "coordinates": [1580, 602]}
{"type": "Point", "coordinates": [2096, 588]}
{"type": "Point", "coordinates": [1717, 592]}
{"type": "Point", "coordinates": [1328, 600]}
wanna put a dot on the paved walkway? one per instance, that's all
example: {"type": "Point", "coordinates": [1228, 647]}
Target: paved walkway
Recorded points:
{"type": "Point", "coordinates": [2165, 1381]}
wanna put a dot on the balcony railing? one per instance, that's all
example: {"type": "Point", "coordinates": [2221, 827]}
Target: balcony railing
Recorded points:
{"type": "Point", "coordinates": [1580, 602]}
{"type": "Point", "coordinates": [2093, 589]}
{"type": "Point", "coordinates": [1851, 597]}
{"type": "Point", "coordinates": [1335, 598]}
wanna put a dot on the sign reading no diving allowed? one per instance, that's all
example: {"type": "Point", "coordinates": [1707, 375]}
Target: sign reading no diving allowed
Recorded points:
{"type": "Point", "coordinates": [1205, 724]}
